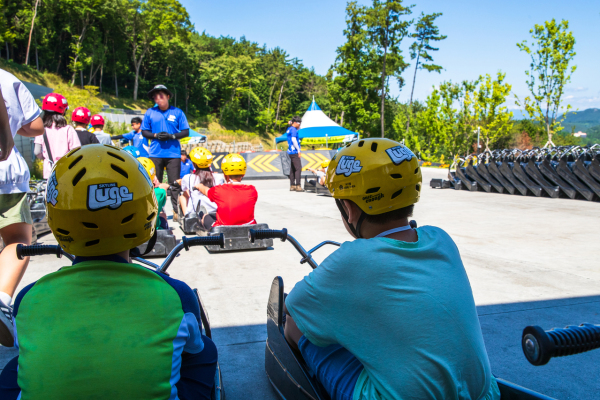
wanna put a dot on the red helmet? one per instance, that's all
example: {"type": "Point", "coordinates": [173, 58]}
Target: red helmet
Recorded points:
{"type": "Point", "coordinates": [81, 115]}
{"type": "Point", "coordinates": [97, 120]}
{"type": "Point", "coordinates": [55, 102]}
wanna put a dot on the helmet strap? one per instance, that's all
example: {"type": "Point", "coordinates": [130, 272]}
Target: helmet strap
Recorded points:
{"type": "Point", "coordinates": [355, 231]}
{"type": "Point", "coordinates": [136, 253]}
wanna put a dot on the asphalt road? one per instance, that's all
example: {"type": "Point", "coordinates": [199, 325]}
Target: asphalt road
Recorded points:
{"type": "Point", "coordinates": [531, 261]}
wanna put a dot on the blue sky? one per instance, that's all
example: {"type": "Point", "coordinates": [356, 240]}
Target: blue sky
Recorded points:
{"type": "Point", "coordinates": [482, 37]}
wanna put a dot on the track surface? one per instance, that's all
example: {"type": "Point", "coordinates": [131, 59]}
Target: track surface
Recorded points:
{"type": "Point", "coordinates": [530, 261]}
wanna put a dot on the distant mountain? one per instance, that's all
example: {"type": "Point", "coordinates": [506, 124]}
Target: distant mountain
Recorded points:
{"type": "Point", "coordinates": [582, 120]}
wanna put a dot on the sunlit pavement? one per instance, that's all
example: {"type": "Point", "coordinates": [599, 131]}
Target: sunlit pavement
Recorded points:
{"type": "Point", "coordinates": [531, 261]}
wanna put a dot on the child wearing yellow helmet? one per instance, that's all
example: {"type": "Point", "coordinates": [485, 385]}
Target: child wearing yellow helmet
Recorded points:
{"type": "Point", "coordinates": [126, 320]}
{"type": "Point", "coordinates": [362, 320]}
{"type": "Point", "coordinates": [235, 201]}
{"type": "Point", "coordinates": [192, 199]}
{"type": "Point", "coordinates": [321, 173]}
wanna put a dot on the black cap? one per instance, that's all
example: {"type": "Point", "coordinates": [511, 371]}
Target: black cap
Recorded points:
{"type": "Point", "coordinates": [159, 88]}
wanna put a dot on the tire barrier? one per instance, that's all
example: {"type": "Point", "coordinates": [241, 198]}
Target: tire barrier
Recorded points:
{"type": "Point", "coordinates": [571, 172]}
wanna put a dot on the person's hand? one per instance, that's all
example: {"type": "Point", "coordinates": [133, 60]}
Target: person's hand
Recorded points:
{"type": "Point", "coordinates": [165, 136]}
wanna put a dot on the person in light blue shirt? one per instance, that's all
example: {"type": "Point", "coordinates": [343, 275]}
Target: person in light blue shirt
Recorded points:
{"type": "Point", "coordinates": [390, 315]}
{"type": "Point", "coordinates": [164, 125]}
{"type": "Point", "coordinates": [135, 137]}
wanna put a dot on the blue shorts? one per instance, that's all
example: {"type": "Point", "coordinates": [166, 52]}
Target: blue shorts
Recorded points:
{"type": "Point", "coordinates": [334, 366]}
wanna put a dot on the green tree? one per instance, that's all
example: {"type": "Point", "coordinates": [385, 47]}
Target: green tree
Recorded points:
{"type": "Point", "coordinates": [152, 23]}
{"type": "Point", "coordinates": [490, 112]}
{"type": "Point", "coordinates": [551, 51]}
{"type": "Point", "coordinates": [386, 29]}
{"type": "Point", "coordinates": [425, 32]}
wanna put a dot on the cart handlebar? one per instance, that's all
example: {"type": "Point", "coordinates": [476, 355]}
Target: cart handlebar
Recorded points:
{"type": "Point", "coordinates": [39, 250]}
{"type": "Point", "coordinates": [540, 346]}
{"type": "Point", "coordinates": [259, 234]}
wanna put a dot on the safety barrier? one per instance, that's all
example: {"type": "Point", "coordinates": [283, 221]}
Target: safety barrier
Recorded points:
{"type": "Point", "coordinates": [275, 165]}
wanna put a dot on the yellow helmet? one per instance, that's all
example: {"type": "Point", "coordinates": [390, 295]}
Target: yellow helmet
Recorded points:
{"type": "Point", "coordinates": [233, 164]}
{"type": "Point", "coordinates": [100, 201]}
{"type": "Point", "coordinates": [201, 157]}
{"type": "Point", "coordinates": [325, 164]}
{"type": "Point", "coordinates": [379, 175]}
{"type": "Point", "coordinates": [149, 167]}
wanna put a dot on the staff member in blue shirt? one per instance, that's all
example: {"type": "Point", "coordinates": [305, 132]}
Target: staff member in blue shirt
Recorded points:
{"type": "Point", "coordinates": [135, 137]}
{"type": "Point", "coordinates": [187, 166]}
{"type": "Point", "coordinates": [164, 125]}
{"type": "Point", "coordinates": [294, 152]}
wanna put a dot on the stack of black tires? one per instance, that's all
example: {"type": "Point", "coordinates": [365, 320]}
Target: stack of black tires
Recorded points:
{"type": "Point", "coordinates": [560, 172]}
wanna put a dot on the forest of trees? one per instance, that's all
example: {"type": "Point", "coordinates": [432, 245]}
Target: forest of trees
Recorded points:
{"type": "Point", "coordinates": [124, 47]}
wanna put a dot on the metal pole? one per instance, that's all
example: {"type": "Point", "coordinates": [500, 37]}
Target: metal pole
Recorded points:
{"type": "Point", "coordinates": [478, 146]}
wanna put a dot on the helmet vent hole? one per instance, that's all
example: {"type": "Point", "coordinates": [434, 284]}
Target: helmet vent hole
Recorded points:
{"type": "Point", "coordinates": [418, 187]}
{"type": "Point", "coordinates": [396, 176]}
{"type": "Point", "coordinates": [73, 152]}
{"type": "Point", "coordinates": [373, 190]}
{"type": "Point", "coordinates": [90, 225]}
{"type": "Point", "coordinates": [62, 231]}
{"type": "Point", "coordinates": [398, 193]}
{"type": "Point", "coordinates": [116, 156]}
{"type": "Point", "coordinates": [416, 170]}
{"type": "Point", "coordinates": [361, 143]}
{"type": "Point", "coordinates": [92, 243]}
{"type": "Point", "coordinates": [75, 162]}
{"type": "Point", "coordinates": [151, 216]}
{"type": "Point", "coordinates": [374, 147]}
{"type": "Point", "coordinates": [119, 170]}
{"type": "Point", "coordinates": [78, 177]}
{"type": "Point", "coordinates": [130, 236]}
{"type": "Point", "coordinates": [127, 219]}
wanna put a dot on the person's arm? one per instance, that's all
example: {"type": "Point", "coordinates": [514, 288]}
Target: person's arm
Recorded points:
{"type": "Point", "coordinates": [118, 137]}
{"type": "Point", "coordinates": [148, 134]}
{"type": "Point", "coordinates": [202, 189]}
{"type": "Point", "coordinates": [32, 129]}
{"type": "Point", "coordinates": [6, 139]}
{"type": "Point", "coordinates": [295, 143]}
{"type": "Point", "coordinates": [170, 136]}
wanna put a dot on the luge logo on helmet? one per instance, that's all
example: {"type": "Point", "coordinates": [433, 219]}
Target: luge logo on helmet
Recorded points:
{"type": "Point", "coordinates": [347, 166]}
{"type": "Point", "coordinates": [107, 195]}
{"type": "Point", "coordinates": [51, 190]}
{"type": "Point", "coordinates": [399, 154]}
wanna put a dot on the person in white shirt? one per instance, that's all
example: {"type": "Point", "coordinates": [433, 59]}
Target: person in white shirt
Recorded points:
{"type": "Point", "coordinates": [321, 173]}
{"type": "Point", "coordinates": [19, 114]}
{"type": "Point", "coordinates": [192, 200]}
{"type": "Point", "coordinates": [97, 122]}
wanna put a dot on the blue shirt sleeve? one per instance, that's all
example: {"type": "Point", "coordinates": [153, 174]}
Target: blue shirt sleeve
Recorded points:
{"type": "Point", "coordinates": [146, 123]}
{"type": "Point", "coordinates": [182, 120]}
{"type": "Point", "coordinates": [128, 136]}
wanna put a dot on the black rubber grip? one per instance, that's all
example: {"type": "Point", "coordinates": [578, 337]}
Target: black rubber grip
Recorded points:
{"type": "Point", "coordinates": [540, 346]}
{"type": "Point", "coordinates": [38, 250]}
{"type": "Point", "coordinates": [258, 234]}
{"type": "Point", "coordinates": [204, 241]}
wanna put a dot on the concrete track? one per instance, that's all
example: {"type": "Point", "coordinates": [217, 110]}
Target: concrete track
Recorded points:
{"type": "Point", "coordinates": [530, 261]}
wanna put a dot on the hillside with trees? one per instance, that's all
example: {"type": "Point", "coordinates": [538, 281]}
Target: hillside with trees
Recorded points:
{"type": "Point", "coordinates": [116, 50]}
